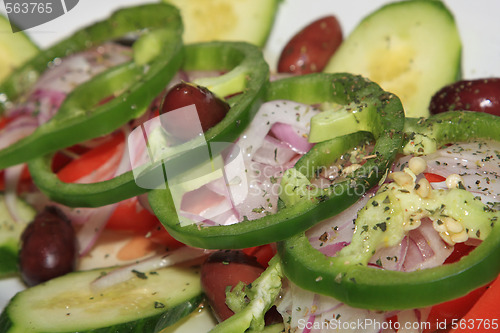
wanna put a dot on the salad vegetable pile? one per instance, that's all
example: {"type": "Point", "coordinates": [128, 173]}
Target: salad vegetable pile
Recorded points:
{"type": "Point", "coordinates": [160, 173]}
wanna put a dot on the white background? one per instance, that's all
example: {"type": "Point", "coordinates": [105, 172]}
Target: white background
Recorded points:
{"type": "Point", "coordinates": [477, 21]}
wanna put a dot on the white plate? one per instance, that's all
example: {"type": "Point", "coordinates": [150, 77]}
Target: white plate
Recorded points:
{"type": "Point", "coordinates": [477, 21]}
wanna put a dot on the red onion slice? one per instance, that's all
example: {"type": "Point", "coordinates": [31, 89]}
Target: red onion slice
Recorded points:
{"type": "Point", "coordinates": [303, 311]}
{"type": "Point", "coordinates": [391, 258]}
{"type": "Point", "coordinates": [62, 76]}
{"type": "Point", "coordinates": [285, 112]}
{"type": "Point", "coordinates": [253, 178]}
{"type": "Point", "coordinates": [273, 152]}
{"type": "Point", "coordinates": [296, 138]}
{"type": "Point", "coordinates": [476, 162]}
{"type": "Point", "coordinates": [17, 130]}
{"type": "Point", "coordinates": [426, 249]}
{"type": "Point", "coordinates": [90, 231]}
{"type": "Point", "coordinates": [336, 232]}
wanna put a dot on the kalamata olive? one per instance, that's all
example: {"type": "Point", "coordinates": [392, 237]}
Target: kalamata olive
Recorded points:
{"type": "Point", "coordinates": [48, 247]}
{"type": "Point", "coordinates": [225, 269]}
{"type": "Point", "coordinates": [482, 95]}
{"type": "Point", "coordinates": [211, 109]}
{"type": "Point", "coordinates": [311, 48]}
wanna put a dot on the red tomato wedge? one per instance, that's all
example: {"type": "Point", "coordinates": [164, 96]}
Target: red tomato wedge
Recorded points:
{"type": "Point", "coordinates": [459, 250]}
{"type": "Point", "coordinates": [62, 158]}
{"type": "Point", "coordinates": [484, 316]}
{"type": "Point", "coordinates": [262, 253]}
{"type": "Point", "coordinates": [3, 122]}
{"type": "Point", "coordinates": [222, 271]}
{"type": "Point", "coordinates": [92, 160]}
{"type": "Point", "coordinates": [433, 178]}
{"type": "Point", "coordinates": [132, 216]}
{"type": "Point", "coordinates": [453, 310]}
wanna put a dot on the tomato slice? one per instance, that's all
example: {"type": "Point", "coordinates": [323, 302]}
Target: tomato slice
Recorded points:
{"type": "Point", "coordinates": [130, 215]}
{"type": "Point", "coordinates": [262, 253]}
{"type": "Point", "coordinates": [3, 122]}
{"type": "Point", "coordinates": [459, 250]}
{"type": "Point", "coordinates": [484, 316]}
{"type": "Point", "coordinates": [91, 160]}
{"type": "Point", "coordinates": [434, 178]}
{"type": "Point", "coordinates": [453, 310]}
{"type": "Point", "coordinates": [221, 272]}
{"type": "Point", "coordinates": [62, 158]}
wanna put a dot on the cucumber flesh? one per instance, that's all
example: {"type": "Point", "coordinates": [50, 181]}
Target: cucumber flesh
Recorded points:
{"type": "Point", "coordinates": [15, 48]}
{"type": "Point", "coordinates": [10, 233]}
{"type": "Point", "coordinates": [411, 48]}
{"type": "Point", "coordinates": [146, 303]}
{"type": "Point", "coordinates": [198, 321]}
{"type": "Point", "coordinates": [227, 20]}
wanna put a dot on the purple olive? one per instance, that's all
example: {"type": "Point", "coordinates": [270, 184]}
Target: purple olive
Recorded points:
{"type": "Point", "coordinates": [48, 247]}
{"type": "Point", "coordinates": [211, 109]}
{"type": "Point", "coordinates": [482, 95]}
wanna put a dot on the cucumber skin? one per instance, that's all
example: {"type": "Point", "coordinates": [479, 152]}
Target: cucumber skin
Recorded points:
{"type": "Point", "coordinates": [18, 315]}
{"type": "Point", "coordinates": [150, 324]}
{"type": "Point", "coordinates": [8, 257]}
{"type": "Point", "coordinates": [10, 234]}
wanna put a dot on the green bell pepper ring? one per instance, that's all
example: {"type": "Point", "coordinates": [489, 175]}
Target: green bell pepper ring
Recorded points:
{"type": "Point", "coordinates": [247, 72]}
{"type": "Point", "coordinates": [425, 135]}
{"type": "Point", "coordinates": [365, 287]}
{"type": "Point", "coordinates": [157, 56]}
{"type": "Point", "coordinates": [388, 117]}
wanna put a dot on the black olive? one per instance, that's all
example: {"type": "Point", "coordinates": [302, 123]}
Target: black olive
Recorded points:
{"type": "Point", "coordinates": [48, 247]}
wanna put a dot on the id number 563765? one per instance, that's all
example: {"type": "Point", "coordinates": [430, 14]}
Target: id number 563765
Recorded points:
{"type": "Point", "coordinates": [28, 7]}
{"type": "Point", "coordinates": [475, 324]}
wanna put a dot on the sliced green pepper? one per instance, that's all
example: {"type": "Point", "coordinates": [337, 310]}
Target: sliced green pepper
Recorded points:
{"type": "Point", "coordinates": [387, 126]}
{"type": "Point", "coordinates": [425, 135]}
{"type": "Point", "coordinates": [372, 288]}
{"type": "Point", "coordinates": [247, 72]}
{"type": "Point", "coordinates": [157, 56]}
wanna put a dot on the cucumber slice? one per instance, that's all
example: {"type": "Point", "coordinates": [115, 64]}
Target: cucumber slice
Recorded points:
{"type": "Point", "coordinates": [198, 321]}
{"type": "Point", "coordinates": [411, 48]}
{"type": "Point", "coordinates": [10, 232]}
{"type": "Point", "coordinates": [146, 303]}
{"type": "Point", "coordinates": [227, 20]}
{"type": "Point", "coordinates": [15, 48]}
